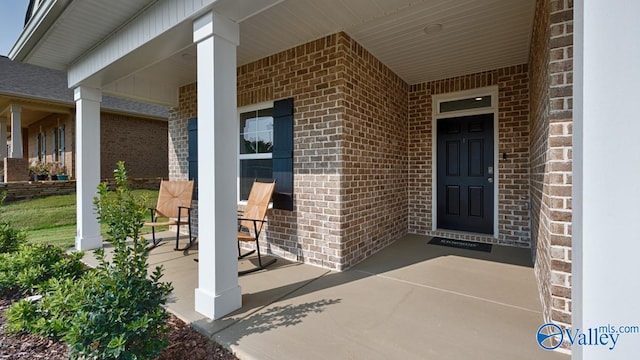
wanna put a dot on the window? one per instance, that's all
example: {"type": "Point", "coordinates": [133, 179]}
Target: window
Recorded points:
{"type": "Point", "coordinates": [265, 150]}
{"type": "Point", "coordinates": [466, 104]}
{"type": "Point", "coordinates": [61, 148]}
{"type": "Point", "coordinates": [41, 146]}
{"type": "Point", "coordinates": [54, 152]}
{"type": "Point", "coordinates": [255, 150]}
{"type": "Point", "coordinates": [57, 149]}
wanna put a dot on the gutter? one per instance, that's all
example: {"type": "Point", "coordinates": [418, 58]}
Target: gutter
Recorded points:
{"type": "Point", "coordinates": [36, 29]}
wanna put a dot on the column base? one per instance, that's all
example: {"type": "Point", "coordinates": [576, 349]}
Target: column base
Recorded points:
{"type": "Point", "coordinates": [88, 243]}
{"type": "Point", "coordinates": [216, 306]}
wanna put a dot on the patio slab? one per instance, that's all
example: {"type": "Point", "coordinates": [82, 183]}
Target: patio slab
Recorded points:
{"type": "Point", "coordinates": [412, 300]}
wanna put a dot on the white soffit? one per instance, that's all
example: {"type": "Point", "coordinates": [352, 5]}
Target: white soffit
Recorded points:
{"type": "Point", "coordinates": [68, 38]}
{"type": "Point", "coordinates": [476, 35]}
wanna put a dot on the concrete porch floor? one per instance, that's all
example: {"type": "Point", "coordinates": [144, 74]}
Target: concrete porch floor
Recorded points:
{"type": "Point", "coordinates": [411, 300]}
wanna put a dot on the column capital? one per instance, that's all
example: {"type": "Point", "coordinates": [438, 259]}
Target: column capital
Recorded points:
{"type": "Point", "coordinates": [87, 93]}
{"type": "Point", "coordinates": [213, 24]}
{"type": "Point", "coordinates": [15, 108]}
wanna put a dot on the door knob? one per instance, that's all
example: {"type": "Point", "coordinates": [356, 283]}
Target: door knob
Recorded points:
{"type": "Point", "coordinates": [490, 180]}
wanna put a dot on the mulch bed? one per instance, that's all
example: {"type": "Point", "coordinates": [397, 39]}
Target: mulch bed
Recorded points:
{"type": "Point", "coordinates": [184, 343]}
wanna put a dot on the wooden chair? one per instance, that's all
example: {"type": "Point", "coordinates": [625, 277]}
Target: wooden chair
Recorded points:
{"type": "Point", "coordinates": [252, 220]}
{"type": "Point", "coordinates": [174, 205]}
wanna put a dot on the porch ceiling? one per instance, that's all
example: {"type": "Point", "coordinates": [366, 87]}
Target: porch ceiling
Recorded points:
{"type": "Point", "coordinates": [470, 35]}
{"type": "Point", "coordinates": [475, 35]}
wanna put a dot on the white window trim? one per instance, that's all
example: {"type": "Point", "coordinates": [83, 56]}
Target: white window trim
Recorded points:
{"type": "Point", "coordinates": [436, 100]}
{"type": "Point", "coordinates": [244, 109]}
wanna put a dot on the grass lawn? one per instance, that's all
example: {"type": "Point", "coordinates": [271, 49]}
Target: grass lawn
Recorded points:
{"type": "Point", "coordinates": [52, 220]}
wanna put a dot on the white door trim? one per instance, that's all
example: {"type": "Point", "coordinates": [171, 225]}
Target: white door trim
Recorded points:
{"type": "Point", "coordinates": [437, 115]}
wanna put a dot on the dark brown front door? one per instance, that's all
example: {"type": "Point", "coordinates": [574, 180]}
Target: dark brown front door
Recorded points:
{"type": "Point", "coordinates": [466, 173]}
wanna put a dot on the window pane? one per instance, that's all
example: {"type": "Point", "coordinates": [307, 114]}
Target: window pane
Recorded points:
{"type": "Point", "coordinates": [247, 122]}
{"type": "Point", "coordinates": [256, 132]}
{"type": "Point", "coordinates": [264, 142]}
{"type": "Point", "coordinates": [253, 169]}
{"type": "Point", "coordinates": [465, 104]}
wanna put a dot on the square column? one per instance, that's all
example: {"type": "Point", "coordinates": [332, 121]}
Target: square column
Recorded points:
{"type": "Point", "coordinates": [16, 131]}
{"type": "Point", "coordinates": [218, 292]}
{"type": "Point", "coordinates": [606, 240]}
{"type": "Point", "coordinates": [3, 138]}
{"type": "Point", "coordinates": [87, 166]}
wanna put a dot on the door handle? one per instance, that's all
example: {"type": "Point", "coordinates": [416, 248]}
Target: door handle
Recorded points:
{"type": "Point", "coordinates": [490, 180]}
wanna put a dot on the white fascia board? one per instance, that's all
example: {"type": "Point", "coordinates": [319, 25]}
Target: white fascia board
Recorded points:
{"type": "Point", "coordinates": [35, 31]}
{"type": "Point", "coordinates": [157, 20]}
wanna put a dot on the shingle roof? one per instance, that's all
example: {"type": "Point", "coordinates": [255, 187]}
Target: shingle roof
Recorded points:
{"type": "Point", "coordinates": [26, 80]}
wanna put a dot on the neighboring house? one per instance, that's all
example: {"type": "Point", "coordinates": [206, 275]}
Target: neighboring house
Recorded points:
{"type": "Point", "coordinates": [38, 110]}
{"type": "Point", "coordinates": [431, 117]}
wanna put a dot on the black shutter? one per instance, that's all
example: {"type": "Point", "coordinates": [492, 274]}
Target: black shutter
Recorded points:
{"type": "Point", "coordinates": [283, 153]}
{"type": "Point", "coordinates": [192, 131]}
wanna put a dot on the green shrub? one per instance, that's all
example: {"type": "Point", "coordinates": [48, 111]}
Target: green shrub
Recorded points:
{"type": "Point", "coordinates": [51, 315]}
{"type": "Point", "coordinates": [10, 237]}
{"type": "Point", "coordinates": [122, 316]}
{"type": "Point", "coordinates": [33, 265]}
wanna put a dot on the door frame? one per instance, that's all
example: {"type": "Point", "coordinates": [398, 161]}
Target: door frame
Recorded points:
{"type": "Point", "coordinates": [436, 100]}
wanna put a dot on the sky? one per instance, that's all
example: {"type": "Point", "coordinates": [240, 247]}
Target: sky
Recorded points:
{"type": "Point", "coordinates": [12, 14]}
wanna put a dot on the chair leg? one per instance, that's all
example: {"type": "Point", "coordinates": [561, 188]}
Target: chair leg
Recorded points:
{"type": "Point", "coordinates": [241, 255]}
{"type": "Point", "coordinates": [177, 236]}
{"type": "Point", "coordinates": [177, 248]}
{"type": "Point", "coordinates": [260, 266]}
{"type": "Point", "coordinates": [153, 236]}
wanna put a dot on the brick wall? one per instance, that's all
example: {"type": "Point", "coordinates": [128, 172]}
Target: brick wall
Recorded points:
{"type": "Point", "coordinates": [311, 74]}
{"type": "Point", "coordinates": [15, 169]}
{"type": "Point", "coordinates": [374, 158]}
{"type": "Point", "coordinates": [46, 126]}
{"type": "Point", "coordinates": [350, 157]}
{"type": "Point", "coordinates": [551, 132]}
{"type": "Point", "coordinates": [140, 143]}
{"type": "Point", "coordinates": [513, 140]}
{"type": "Point", "coordinates": [24, 190]}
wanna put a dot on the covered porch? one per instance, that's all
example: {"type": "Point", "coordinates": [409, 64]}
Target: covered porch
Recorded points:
{"type": "Point", "coordinates": [156, 50]}
{"type": "Point", "coordinates": [411, 300]}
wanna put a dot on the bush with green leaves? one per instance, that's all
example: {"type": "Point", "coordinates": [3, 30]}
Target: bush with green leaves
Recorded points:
{"type": "Point", "coordinates": [122, 316]}
{"type": "Point", "coordinates": [32, 266]}
{"type": "Point", "coordinates": [10, 237]}
{"type": "Point", "coordinates": [50, 316]}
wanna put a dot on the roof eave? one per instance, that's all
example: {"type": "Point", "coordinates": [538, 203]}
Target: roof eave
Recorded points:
{"type": "Point", "coordinates": [45, 16]}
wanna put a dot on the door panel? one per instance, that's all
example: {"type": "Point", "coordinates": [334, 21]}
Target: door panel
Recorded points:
{"type": "Point", "coordinates": [464, 184]}
{"type": "Point", "coordinates": [453, 158]}
{"type": "Point", "coordinates": [453, 200]}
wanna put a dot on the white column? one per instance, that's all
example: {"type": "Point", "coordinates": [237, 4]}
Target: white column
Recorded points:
{"type": "Point", "coordinates": [218, 292]}
{"type": "Point", "coordinates": [606, 239]}
{"type": "Point", "coordinates": [3, 138]}
{"type": "Point", "coordinates": [16, 131]}
{"type": "Point", "coordinates": [87, 166]}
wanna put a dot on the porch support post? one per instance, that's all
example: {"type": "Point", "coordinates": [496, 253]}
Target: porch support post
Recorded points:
{"type": "Point", "coordinates": [87, 165]}
{"type": "Point", "coordinates": [16, 131]}
{"type": "Point", "coordinates": [218, 292]}
{"type": "Point", "coordinates": [3, 138]}
{"type": "Point", "coordinates": [606, 240]}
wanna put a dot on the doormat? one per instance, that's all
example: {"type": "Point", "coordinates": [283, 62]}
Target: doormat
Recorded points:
{"type": "Point", "coordinates": [461, 244]}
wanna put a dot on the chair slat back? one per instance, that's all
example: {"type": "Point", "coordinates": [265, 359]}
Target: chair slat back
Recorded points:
{"type": "Point", "coordinates": [257, 204]}
{"type": "Point", "coordinates": [173, 194]}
